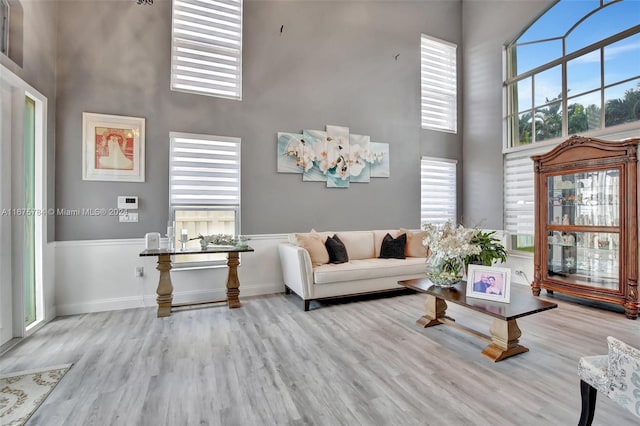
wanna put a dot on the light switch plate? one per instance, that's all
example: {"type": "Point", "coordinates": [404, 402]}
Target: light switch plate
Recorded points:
{"type": "Point", "coordinates": [128, 217]}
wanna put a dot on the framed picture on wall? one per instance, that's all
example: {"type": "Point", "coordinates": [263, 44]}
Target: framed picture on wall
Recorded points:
{"type": "Point", "coordinates": [488, 282]}
{"type": "Point", "coordinates": [112, 148]}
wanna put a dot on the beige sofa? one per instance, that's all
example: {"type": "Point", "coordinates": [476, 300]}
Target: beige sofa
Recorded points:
{"type": "Point", "coordinates": [307, 273]}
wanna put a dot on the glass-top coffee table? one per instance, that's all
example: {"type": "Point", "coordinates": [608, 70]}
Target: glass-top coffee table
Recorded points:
{"type": "Point", "coordinates": [505, 333]}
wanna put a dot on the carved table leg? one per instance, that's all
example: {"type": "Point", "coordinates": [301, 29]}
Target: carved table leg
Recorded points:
{"type": "Point", "coordinates": [504, 340]}
{"type": "Point", "coordinates": [165, 288]}
{"type": "Point", "coordinates": [233, 284]}
{"type": "Point", "coordinates": [435, 309]}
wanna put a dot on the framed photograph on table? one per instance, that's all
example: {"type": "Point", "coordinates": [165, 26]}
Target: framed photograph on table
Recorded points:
{"type": "Point", "coordinates": [488, 282]}
{"type": "Point", "coordinates": [112, 148]}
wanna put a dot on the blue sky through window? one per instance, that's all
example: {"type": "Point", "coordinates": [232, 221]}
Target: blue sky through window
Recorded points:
{"type": "Point", "coordinates": [604, 23]}
{"type": "Point", "coordinates": [558, 20]}
{"type": "Point", "coordinates": [621, 59]}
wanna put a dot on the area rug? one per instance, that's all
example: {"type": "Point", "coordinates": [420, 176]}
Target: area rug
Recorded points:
{"type": "Point", "coordinates": [22, 393]}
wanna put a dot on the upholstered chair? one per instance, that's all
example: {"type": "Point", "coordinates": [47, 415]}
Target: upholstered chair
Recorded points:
{"type": "Point", "coordinates": [616, 375]}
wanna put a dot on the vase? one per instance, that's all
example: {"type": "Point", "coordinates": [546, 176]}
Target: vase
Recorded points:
{"type": "Point", "coordinates": [444, 271]}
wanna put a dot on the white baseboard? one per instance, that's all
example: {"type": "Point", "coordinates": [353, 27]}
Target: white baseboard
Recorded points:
{"type": "Point", "coordinates": [100, 305]}
{"type": "Point", "coordinates": [149, 300]}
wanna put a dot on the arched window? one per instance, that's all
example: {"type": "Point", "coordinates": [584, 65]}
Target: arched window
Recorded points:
{"type": "Point", "coordinates": [576, 69]}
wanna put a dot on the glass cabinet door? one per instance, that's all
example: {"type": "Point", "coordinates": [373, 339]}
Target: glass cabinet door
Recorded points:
{"type": "Point", "coordinates": [583, 232]}
{"type": "Point", "coordinates": [584, 258]}
{"type": "Point", "coordinates": [585, 199]}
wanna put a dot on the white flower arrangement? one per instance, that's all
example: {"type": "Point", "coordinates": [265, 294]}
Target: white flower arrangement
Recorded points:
{"type": "Point", "coordinates": [450, 241]}
{"type": "Point", "coordinates": [218, 240]}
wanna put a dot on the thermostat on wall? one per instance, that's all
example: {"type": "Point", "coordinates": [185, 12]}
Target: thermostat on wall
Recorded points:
{"type": "Point", "coordinates": [128, 202]}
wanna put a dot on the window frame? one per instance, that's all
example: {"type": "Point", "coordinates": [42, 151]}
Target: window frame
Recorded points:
{"type": "Point", "coordinates": [512, 113]}
{"type": "Point", "coordinates": [12, 31]}
{"type": "Point", "coordinates": [15, 92]}
{"type": "Point", "coordinates": [4, 35]}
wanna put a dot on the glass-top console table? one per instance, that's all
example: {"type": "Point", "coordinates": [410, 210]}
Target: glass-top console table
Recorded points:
{"type": "Point", "coordinates": [165, 288]}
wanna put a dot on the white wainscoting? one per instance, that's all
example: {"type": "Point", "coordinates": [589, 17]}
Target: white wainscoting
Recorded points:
{"type": "Point", "coordinates": [99, 275]}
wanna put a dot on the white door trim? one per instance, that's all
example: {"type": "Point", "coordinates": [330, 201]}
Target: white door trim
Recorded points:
{"type": "Point", "coordinates": [14, 91]}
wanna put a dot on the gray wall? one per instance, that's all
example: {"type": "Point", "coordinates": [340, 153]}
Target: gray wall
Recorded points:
{"type": "Point", "coordinates": [333, 64]}
{"type": "Point", "coordinates": [487, 27]}
{"type": "Point", "coordinates": [39, 70]}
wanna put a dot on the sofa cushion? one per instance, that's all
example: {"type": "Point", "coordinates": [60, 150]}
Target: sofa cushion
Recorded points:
{"type": "Point", "coordinates": [364, 269]}
{"type": "Point", "coordinates": [293, 238]}
{"type": "Point", "coordinates": [313, 243]}
{"type": "Point", "coordinates": [337, 250]}
{"type": "Point", "coordinates": [415, 247]}
{"type": "Point", "coordinates": [359, 244]}
{"type": "Point", "coordinates": [393, 248]}
{"type": "Point", "coordinates": [379, 235]}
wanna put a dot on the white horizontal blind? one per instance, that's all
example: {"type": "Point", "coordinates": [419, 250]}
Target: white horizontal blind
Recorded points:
{"type": "Point", "coordinates": [206, 47]}
{"type": "Point", "coordinates": [519, 197]}
{"type": "Point", "coordinates": [204, 170]}
{"type": "Point", "coordinates": [438, 83]}
{"type": "Point", "coordinates": [438, 196]}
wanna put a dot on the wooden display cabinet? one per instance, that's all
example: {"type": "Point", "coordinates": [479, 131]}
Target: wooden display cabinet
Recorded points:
{"type": "Point", "coordinates": [586, 235]}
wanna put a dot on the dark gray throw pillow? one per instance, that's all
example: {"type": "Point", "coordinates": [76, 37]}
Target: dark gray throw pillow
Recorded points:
{"type": "Point", "coordinates": [337, 250]}
{"type": "Point", "coordinates": [393, 248]}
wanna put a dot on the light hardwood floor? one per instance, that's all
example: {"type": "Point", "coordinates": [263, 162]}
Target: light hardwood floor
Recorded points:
{"type": "Point", "coordinates": [364, 362]}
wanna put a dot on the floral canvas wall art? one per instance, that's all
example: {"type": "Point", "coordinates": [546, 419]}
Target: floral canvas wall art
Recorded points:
{"type": "Point", "coordinates": [337, 157]}
{"type": "Point", "coordinates": [380, 159]}
{"type": "Point", "coordinates": [333, 156]}
{"type": "Point", "coordinates": [359, 156]}
{"type": "Point", "coordinates": [288, 163]}
{"type": "Point", "coordinates": [315, 156]}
